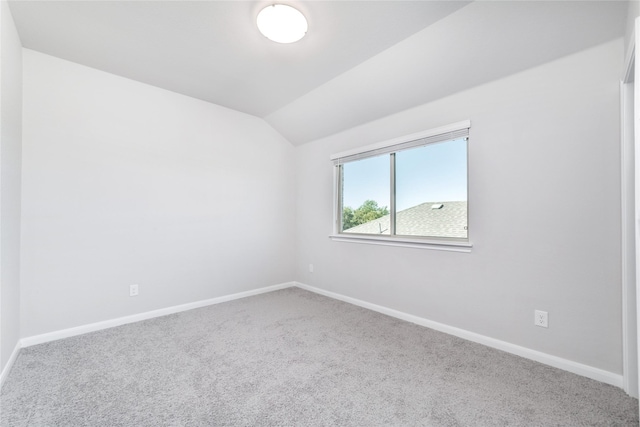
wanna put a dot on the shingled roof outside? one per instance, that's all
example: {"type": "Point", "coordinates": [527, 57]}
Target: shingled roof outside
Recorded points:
{"type": "Point", "coordinates": [433, 219]}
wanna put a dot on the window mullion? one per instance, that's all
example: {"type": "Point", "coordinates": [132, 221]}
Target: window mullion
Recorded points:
{"type": "Point", "coordinates": [392, 198]}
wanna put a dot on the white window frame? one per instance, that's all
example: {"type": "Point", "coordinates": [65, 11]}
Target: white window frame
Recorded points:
{"type": "Point", "coordinates": [440, 134]}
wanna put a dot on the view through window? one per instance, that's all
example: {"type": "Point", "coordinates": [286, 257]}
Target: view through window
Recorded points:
{"type": "Point", "coordinates": [414, 189]}
{"type": "Point", "coordinates": [366, 196]}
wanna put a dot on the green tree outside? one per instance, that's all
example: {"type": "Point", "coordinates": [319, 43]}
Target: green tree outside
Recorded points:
{"type": "Point", "coordinates": [365, 213]}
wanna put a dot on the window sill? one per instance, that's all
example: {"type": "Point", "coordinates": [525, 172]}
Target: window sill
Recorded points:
{"type": "Point", "coordinates": [439, 245]}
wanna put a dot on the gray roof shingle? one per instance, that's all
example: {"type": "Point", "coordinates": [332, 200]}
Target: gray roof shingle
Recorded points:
{"type": "Point", "coordinates": [426, 219]}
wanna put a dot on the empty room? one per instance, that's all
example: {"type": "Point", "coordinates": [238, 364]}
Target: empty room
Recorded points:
{"type": "Point", "coordinates": [318, 213]}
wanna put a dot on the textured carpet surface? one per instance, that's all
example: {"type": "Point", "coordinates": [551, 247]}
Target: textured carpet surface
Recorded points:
{"type": "Point", "coordinates": [294, 358]}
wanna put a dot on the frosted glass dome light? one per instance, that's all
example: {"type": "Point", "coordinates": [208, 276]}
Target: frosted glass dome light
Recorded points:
{"type": "Point", "coordinates": [281, 23]}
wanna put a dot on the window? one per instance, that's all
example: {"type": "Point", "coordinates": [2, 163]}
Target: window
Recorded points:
{"type": "Point", "coordinates": [411, 191]}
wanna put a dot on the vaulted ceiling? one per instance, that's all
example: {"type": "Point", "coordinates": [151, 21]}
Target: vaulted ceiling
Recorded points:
{"type": "Point", "coordinates": [360, 60]}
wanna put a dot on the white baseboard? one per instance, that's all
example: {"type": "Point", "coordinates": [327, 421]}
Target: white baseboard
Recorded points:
{"type": "Point", "coordinates": [557, 362]}
{"type": "Point", "coordinates": [7, 368]}
{"type": "Point", "coordinates": [79, 330]}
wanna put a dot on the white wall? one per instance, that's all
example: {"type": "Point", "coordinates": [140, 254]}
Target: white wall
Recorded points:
{"type": "Point", "coordinates": [10, 164]}
{"type": "Point", "coordinates": [126, 183]}
{"type": "Point", "coordinates": [544, 214]}
{"type": "Point", "coordinates": [633, 11]}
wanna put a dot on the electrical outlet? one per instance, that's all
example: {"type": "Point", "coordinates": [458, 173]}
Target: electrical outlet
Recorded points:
{"type": "Point", "coordinates": [310, 268]}
{"type": "Point", "coordinates": [133, 290]}
{"type": "Point", "coordinates": [541, 319]}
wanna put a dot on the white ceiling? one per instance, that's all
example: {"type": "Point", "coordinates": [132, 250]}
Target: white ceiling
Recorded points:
{"type": "Point", "coordinates": [360, 60]}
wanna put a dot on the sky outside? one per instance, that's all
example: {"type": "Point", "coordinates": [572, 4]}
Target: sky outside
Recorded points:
{"type": "Point", "coordinates": [433, 173]}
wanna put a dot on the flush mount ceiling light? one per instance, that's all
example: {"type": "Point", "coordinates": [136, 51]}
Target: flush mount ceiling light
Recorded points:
{"type": "Point", "coordinates": [281, 23]}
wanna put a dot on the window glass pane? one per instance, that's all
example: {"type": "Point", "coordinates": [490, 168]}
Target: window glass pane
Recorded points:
{"type": "Point", "coordinates": [365, 195]}
{"type": "Point", "coordinates": [431, 190]}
